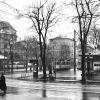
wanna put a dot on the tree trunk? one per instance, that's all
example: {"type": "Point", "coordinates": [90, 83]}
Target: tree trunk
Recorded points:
{"type": "Point", "coordinates": [11, 61]}
{"type": "Point", "coordinates": [83, 63]}
{"type": "Point", "coordinates": [83, 68]}
{"type": "Point", "coordinates": [44, 69]}
{"type": "Point", "coordinates": [44, 62]}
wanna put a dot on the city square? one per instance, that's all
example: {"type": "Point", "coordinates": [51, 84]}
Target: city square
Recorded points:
{"type": "Point", "coordinates": [50, 50]}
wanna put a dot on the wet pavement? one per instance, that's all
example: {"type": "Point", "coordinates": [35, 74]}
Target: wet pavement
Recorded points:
{"type": "Point", "coordinates": [67, 75]}
{"type": "Point", "coordinates": [55, 90]}
{"type": "Point", "coordinates": [28, 90]}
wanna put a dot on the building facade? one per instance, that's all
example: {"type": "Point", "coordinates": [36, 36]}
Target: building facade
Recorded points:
{"type": "Point", "coordinates": [8, 38]}
{"type": "Point", "coordinates": [62, 49]}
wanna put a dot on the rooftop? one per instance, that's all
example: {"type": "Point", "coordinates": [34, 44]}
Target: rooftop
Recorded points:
{"type": "Point", "coordinates": [59, 38]}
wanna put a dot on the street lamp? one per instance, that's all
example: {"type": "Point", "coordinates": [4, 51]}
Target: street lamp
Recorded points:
{"type": "Point", "coordinates": [11, 55]}
{"type": "Point", "coordinates": [74, 51]}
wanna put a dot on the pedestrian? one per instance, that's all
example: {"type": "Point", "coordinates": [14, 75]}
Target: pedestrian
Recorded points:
{"type": "Point", "coordinates": [3, 86]}
{"type": "Point", "coordinates": [50, 70]}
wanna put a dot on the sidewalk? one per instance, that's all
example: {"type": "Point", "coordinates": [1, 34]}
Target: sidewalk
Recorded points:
{"type": "Point", "coordinates": [68, 76]}
{"type": "Point", "coordinates": [23, 75]}
{"type": "Point", "coordinates": [61, 76]}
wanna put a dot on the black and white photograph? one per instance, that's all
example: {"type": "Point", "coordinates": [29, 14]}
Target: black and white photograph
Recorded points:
{"type": "Point", "coordinates": [49, 49]}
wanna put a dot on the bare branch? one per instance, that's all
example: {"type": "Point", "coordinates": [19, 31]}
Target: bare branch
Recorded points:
{"type": "Point", "coordinates": [34, 24]}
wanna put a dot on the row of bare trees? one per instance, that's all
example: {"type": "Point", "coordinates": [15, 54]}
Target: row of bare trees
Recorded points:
{"type": "Point", "coordinates": [31, 49]}
{"type": "Point", "coordinates": [45, 15]}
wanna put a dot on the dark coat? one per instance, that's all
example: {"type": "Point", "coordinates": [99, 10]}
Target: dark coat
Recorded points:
{"type": "Point", "coordinates": [3, 83]}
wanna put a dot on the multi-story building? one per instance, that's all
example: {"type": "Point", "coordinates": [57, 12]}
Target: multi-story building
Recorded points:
{"type": "Point", "coordinates": [13, 50]}
{"type": "Point", "coordinates": [8, 37]}
{"type": "Point", "coordinates": [62, 49]}
{"type": "Point", "coordinates": [59, 43]}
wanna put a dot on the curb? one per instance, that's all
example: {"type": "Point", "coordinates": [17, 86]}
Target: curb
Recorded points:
{"type": "Point", "coordinates": [92, 81]}
{"type": "Point", "coordinates": [74, 81]}
{"type": "Point", "coordinates": [56, 80]}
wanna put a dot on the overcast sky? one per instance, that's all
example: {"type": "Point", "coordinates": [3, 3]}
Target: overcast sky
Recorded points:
{"type": "Point", "coordinates": [22, 25]}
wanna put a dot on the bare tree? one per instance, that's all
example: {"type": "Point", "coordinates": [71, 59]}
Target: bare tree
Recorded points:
{"type": "Point", "coordinates": [30, 47]}
{"type": "Point", "coordinates": [26, 54]}
{"type": "Point", "coordinates": [86, 13]}
{"type": "Point", "coordinates": [43, 16]}
{"type": "Point", "coordinates": [11, 43]}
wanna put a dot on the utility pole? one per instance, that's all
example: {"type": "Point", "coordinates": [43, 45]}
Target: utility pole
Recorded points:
{"type": "Point", "coordinates": [74, 51]}
{"type": "Point", "coordinates": [4, 53]}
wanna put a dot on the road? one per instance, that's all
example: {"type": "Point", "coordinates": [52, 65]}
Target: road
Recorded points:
{"type": "Point", "coordinates": [26, 90]}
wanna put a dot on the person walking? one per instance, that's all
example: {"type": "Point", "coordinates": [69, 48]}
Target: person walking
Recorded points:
{"type": "Point", "coordinates": [3, 86]}
{"type": "Point", "coordinates": [50, 71]}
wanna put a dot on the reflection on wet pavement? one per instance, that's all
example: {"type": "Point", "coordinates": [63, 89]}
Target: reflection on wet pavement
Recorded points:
{"type": "Point", "coordinates": [12, 90]}
{"type": "Point", "coordinates": [44, 90]}
{"type": "Point", "coordinates": [25, 90]}
{"type": "Point", "coordinates": [45, 93]}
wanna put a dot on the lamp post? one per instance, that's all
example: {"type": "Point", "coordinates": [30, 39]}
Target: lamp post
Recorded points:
{"type": "Point", "coordinates": [54, 58]}
{"type": "Point", "coordinates": [11, 55]}
{"type": "Point", "coordinates": [4, 56]}
{"type": "Point", "coordinates": [74, 51]}
{"type": "Point", "coordinates": [26, 56]}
